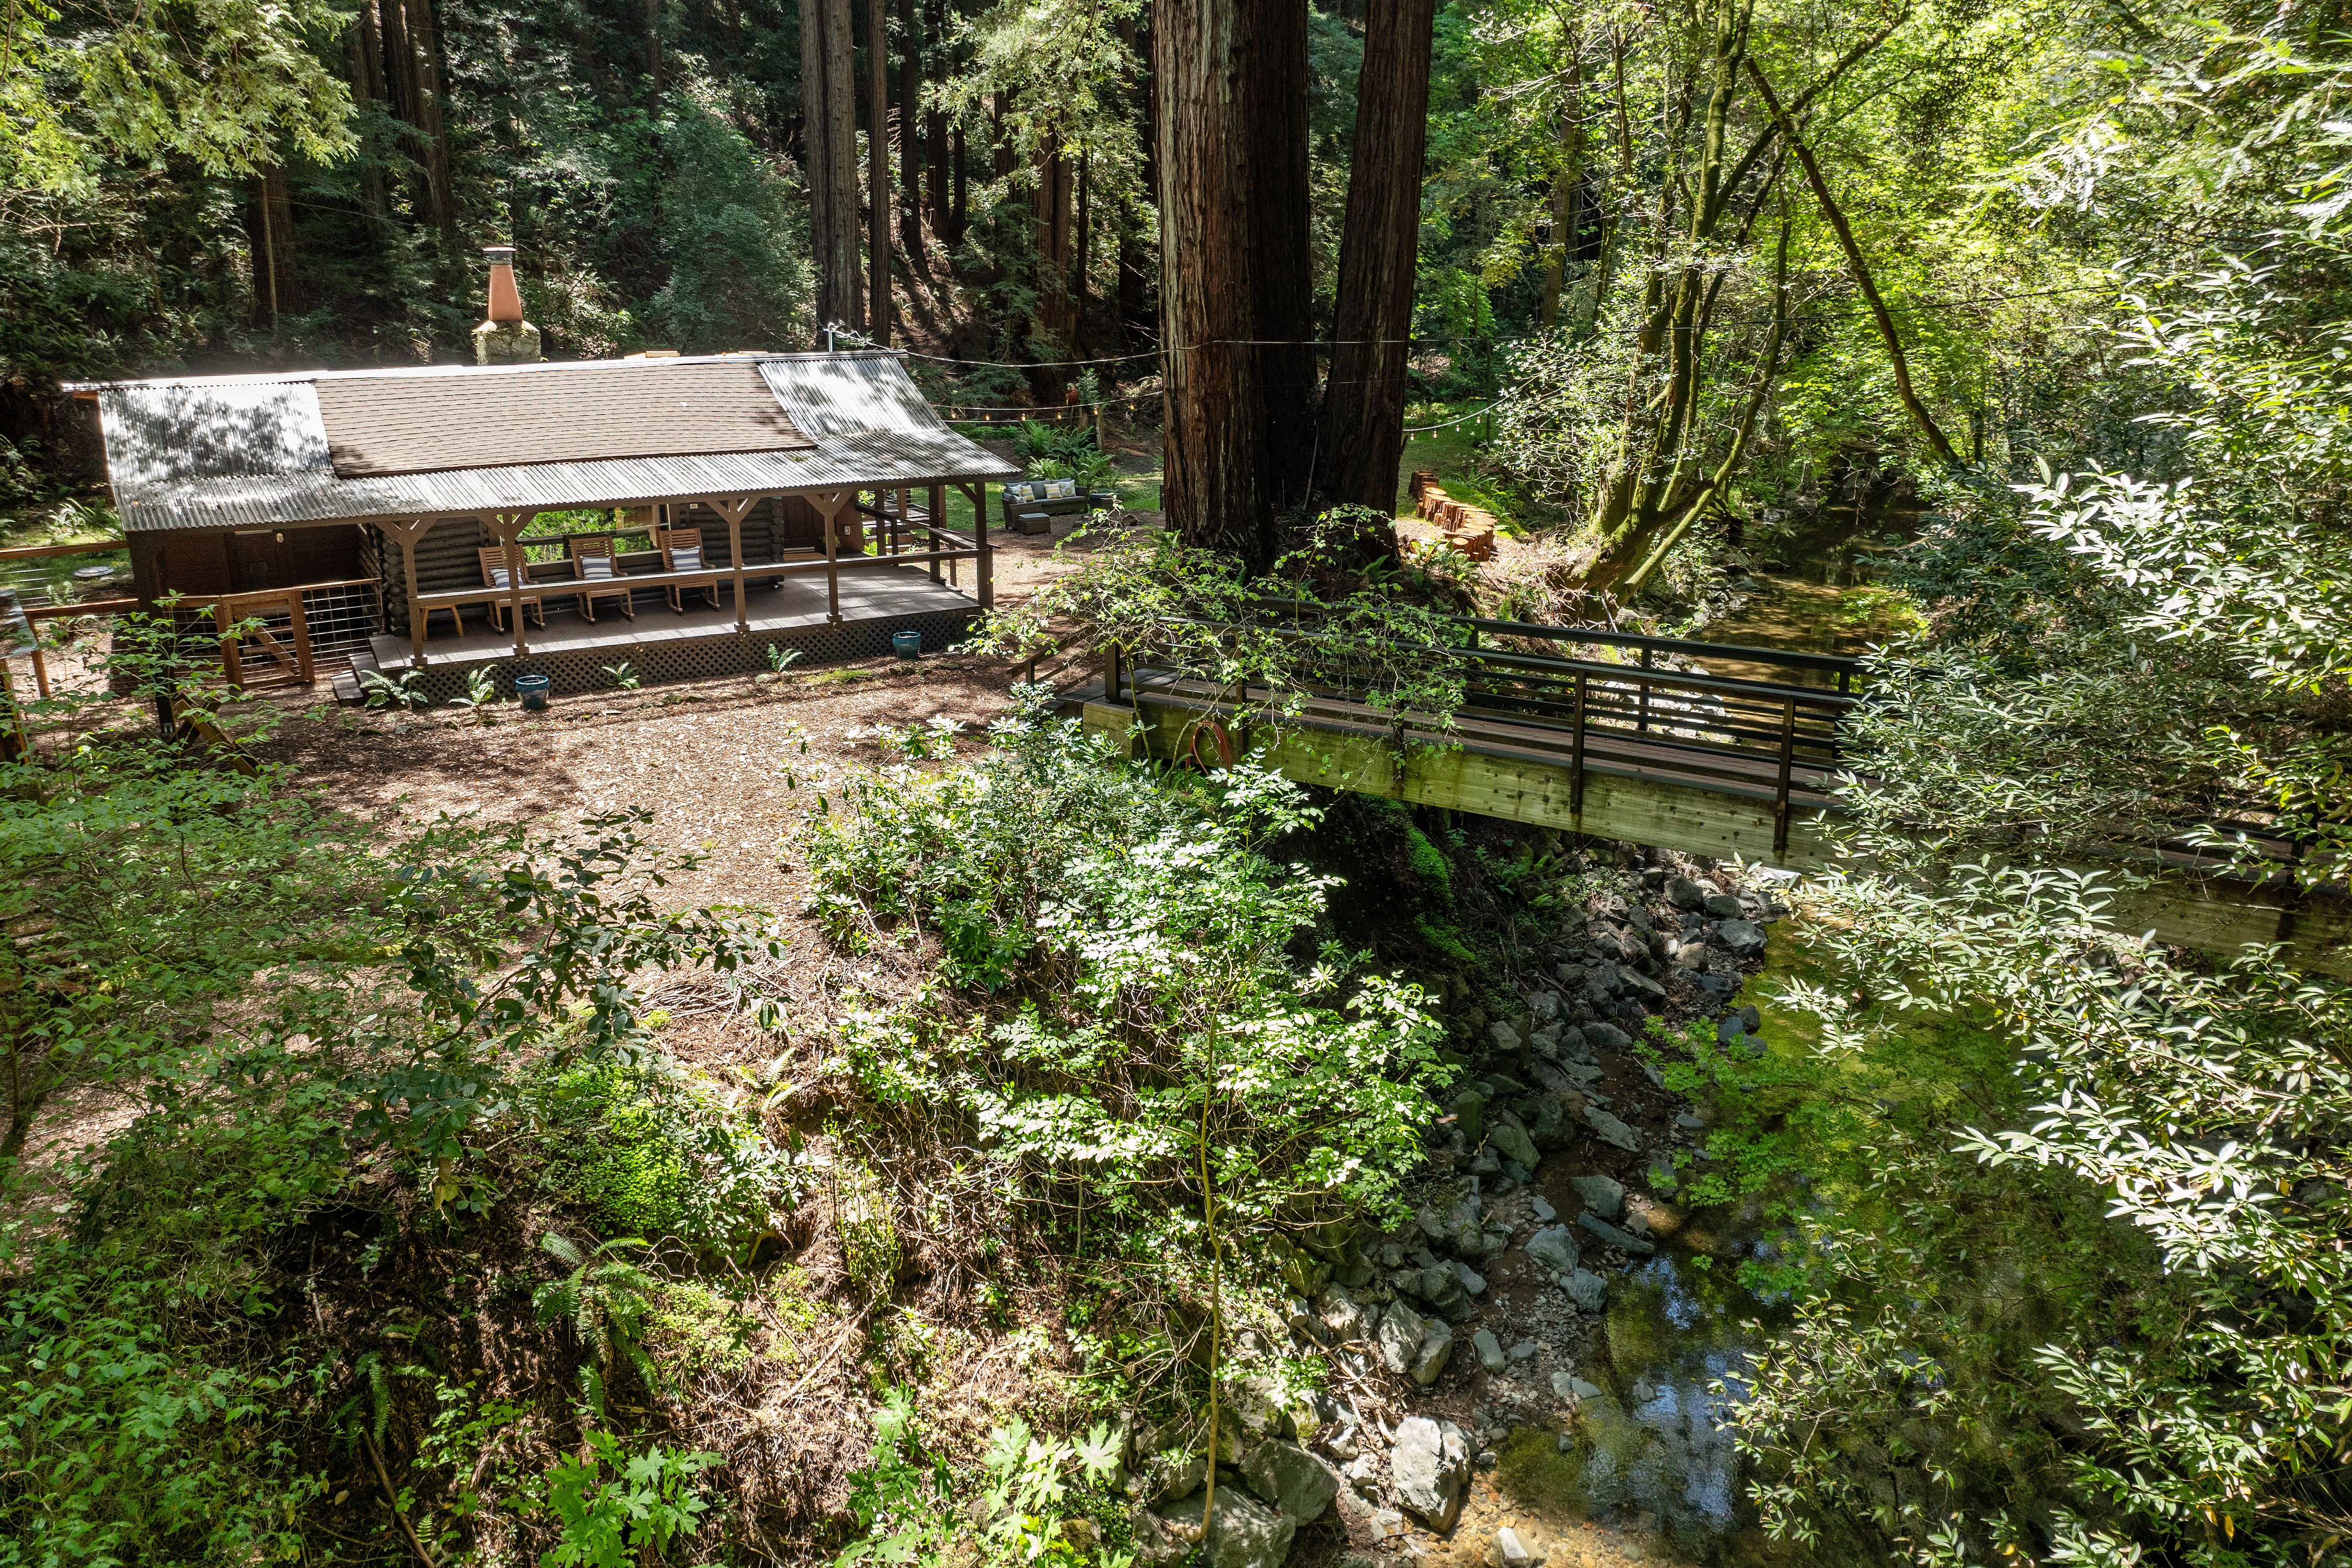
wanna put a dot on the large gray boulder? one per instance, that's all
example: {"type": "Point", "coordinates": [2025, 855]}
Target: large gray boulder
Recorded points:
{"type": "Point", "coordinates": [1742, 939]}
{"type": "Point", "coordinates": [1509, 1137]}
{"type": "Point", "coordinates": [1607, 1037]}
{"type": "Point", "coordinates": [1343, 1315]}
{"type": "Point", "coordinates": [1554, 1248]}
{"type": "Point", "coordinates": [1243, 1533]}
{"type": "Point", "coordinates": [1436, 1346]}
{"type": "Point", "coordinates": [1624, 1241]}
{"type": "Point", "coordinates": [1429, 1465]}
{"type": "Point", "coordinates": [1610, 1129]}
{"type": "Point", "coordinates": [1292, 1479]}
{"type": "Point", "coordinates": [1589, 1290]}
{"type": "Point", "coordinates": [1401, 1332]}
{"type": "Point", "coordinates": [1604, 1195]}
{"type": "Point", "coordinates": [1490, 1350]}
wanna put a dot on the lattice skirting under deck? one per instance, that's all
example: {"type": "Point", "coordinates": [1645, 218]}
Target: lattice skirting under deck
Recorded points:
{"type": "Point", "coordinates": [703, 657]}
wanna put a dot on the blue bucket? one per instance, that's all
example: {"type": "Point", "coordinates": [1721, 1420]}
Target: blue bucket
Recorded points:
{"type": "Point", "coordinates": [532, 689]}
{"type": "Point", "coordinates": [907, 645]}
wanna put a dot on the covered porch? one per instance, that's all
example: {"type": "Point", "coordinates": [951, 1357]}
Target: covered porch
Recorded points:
{"type": "Point", "coordinates": [860, 570]}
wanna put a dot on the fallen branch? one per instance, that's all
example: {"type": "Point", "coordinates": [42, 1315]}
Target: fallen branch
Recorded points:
{"type": "Point", "coordinates": [392, 1498]}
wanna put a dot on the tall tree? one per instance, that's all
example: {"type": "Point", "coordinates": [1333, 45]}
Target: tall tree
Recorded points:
{"type": "Point", "coordinates": [877, 167]}
{"type": "Point", "coordinates": [1221, 122]}
{"type": "Point", "coordinates": [1282, 261]}
{"type": "Point", "coordinates": [1363, 429]}
{"type": "Point", "coordinates": [937, 155]}
{"type": "Point", "coordinates": [911, 139]}
{"type": "Point", "coordinates": [432, 132]}
{"type": "Point", "coordinates": [829, 129]}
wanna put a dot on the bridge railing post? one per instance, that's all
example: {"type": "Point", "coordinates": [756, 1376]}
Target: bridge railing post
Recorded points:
{"type": "Point", "coordinates": [1643, 725]}
{"type": "Point", "coordinates": [1576, 755]}
{"type": "Point", "coordinates": [1781, 792]}
{"type": "Point", "coordinates": [1110, 672]}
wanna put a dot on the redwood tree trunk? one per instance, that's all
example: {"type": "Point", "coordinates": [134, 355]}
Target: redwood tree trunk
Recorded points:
{"type": "Point", "coordinates": [1282, 276]}
{"type": "Point", "coordinates": [440, 192]}
{"type": "Point", "coordinates": [877, 167]}
{"type": "Point", "coordinates": [1215, 491]}
{"type": "Point", "coordinates": [1363, 411]}
{"type": "Point", "coordinates": [841, 162]}
{"type": "Point", "coordinates": [911, 139]}
{"type": "Point", "coordinates": [936, 154]}
{"type": "Point", "coordinates": [816, 161]}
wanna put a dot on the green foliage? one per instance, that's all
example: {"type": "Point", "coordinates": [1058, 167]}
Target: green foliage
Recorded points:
{"type": "Point", "coordinates": [605, 1300]}
{"type": "Point", "coordinates": [627, 1517]}
{"type": "Point", "coordinates": [648, 1150]}
{"type": "Point", "coordinates": [1198, 614]}
{"type": "Point", "coordinates": [693, 1330]}
{"type": "Point", "coordinates": [624, 676]}
{"type": "Point", "coordinates": [869, 1231]}
{"type": "Point", "coordinates": [912, 1508]}
{"type": "Point", "coordinates": [366, 1010]}
{"type": "Point", "coordinates": [1156, 1026]}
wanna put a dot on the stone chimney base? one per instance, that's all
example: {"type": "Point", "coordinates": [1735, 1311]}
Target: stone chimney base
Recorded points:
{"type": "Point", "coordinates": [506, 342]}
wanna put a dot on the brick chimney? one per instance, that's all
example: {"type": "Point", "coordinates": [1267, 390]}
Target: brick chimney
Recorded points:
{"type": "Point", "coordinates": [505, 338]}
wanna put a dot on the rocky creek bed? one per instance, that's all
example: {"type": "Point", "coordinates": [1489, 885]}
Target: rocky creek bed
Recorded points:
{"type": "Point", "coordinates": [1525, 1372]}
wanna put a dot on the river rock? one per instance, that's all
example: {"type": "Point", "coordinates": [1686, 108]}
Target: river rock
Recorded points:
{"type": "Point", "coordinates": [1604, 1195]}
{"type": "Point", "coordinates": [1544, 1003]}
{"type": "Point", "coordinates": [1511, 1139]}
{"type": "Point", "coordinates": [1341, 1315]}
{"type": "Point", "coordinates": [1469, 1110]}
{"type": "Point", "coordinates": [1430, 1468]}
{"type": "Point", "coordinates": [1156, 1544]}
{"type": "Point", "coordinates": [1243, 1534]}
{"type": "Point", "coordinates": [1721, 906]}
{"type": "Point", "coordinates": [1554, 1248]}
{"type": "Point", "coordinates": [1164, 1477]}
{"type": "Point", "coordinates": [1589, 1290]}
{"type": "Point", "coordinates": [1512, 1552]}
{"type": "Point", "coordinates": [1611, 1129]}
{"type": "Point", "coordinates": [1292, 1479]}
{"type": "Point", "coordinates": [1543, 1211]}
{"type": "Point", "coordinates": [1474, 1282]}
{"type": "Point", "coordinates": [1401, 1332]}
{"type": "Point", "coordinates": [1506, 1038]}
{"type": "Point", "coordinates": [1683, 893]}
{"type": "Point", "coordinates": [1741, 939]}
{"type": "Point", "coordinates": [1621, 1240]}
{"type": "Point", "coordinates": [1436, 1347]}
{"type": "Point", "coordinates": [1441, 1289]}
{"type": "Point", "coordinates": [1490, 1350]}
{"type": "Point", "coordinates": [1607, 1037]}
{"type": "Point", "coordinates": [1568, 1386]}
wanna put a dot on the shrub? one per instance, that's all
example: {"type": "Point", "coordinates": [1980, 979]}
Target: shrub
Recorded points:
{"type": "Point", "coordinates": [652, 1152]}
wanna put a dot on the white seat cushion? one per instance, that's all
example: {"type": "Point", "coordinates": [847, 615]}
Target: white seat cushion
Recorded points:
{"type": "Point", "coordinates": [686, 558]}
{"type": "Point", "coordinates": [595, 566]}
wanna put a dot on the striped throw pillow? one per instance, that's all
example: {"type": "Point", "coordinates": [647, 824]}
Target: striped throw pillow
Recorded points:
{"type": "Point", "coordinates": [500, 577]}
{"type": "Point", "coordinates": [596, 566]}
{"type": "Point", "coordinates": [686, 558]}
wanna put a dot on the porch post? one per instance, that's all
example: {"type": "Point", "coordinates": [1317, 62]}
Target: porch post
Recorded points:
{"type": "Point", "coordinates": [984, 578]}
{"type": "Point", "coordinates": [939, 515]}
{"type": "Point", "coordinates": [735, 509]}
{"type": "Point", "coordinates": [411, 532]}
{"type": "Point", "coordinates": [833, 504]}
{"type": "Point", "coordinates": [508, 526]}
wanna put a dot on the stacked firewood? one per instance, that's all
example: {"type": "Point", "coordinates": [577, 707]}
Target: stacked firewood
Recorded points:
{"type": "Point", "coordinates": [1466, 528]}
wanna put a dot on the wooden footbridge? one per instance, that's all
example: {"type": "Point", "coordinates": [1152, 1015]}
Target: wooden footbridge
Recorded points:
{"type": "Point", "coordinates": [1708, 748]}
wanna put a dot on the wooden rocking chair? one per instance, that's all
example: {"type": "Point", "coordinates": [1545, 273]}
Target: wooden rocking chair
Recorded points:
{"type": "Point", "coordinates": [681, 551]}
{"type": "Point", "coordinates": [599, 572]}
{"type": "Point", "coordinates": [494, 575]}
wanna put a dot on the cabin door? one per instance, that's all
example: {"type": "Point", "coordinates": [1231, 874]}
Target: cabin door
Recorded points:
{"type": "Point", "coordinates": [259, 559]}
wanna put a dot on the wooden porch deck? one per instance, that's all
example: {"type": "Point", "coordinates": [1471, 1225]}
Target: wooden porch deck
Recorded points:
{"type": "Point", "coordinates": [666, 646]}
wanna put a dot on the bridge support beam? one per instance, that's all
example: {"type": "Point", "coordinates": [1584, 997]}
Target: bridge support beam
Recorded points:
{"type": "Point", "coordinates": [2208, 914]}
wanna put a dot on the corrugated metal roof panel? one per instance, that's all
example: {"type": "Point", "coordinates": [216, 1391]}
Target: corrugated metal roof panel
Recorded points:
{"type": "Point", "coordinates": [159, 435]}
{"type": "Point", "coordinates": [252, 451]}
{"type": "Point", "coordinates": [278, 499]}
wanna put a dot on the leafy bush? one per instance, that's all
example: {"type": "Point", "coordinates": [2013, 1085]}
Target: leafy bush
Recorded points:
{"type": "Point", "coordinates": [1148, 1027]}
{"type": "Point", "coordinates": [912, 1508]}
{"type": "Point", "coordinates": [651, 1152]}
{"type": "Point", "coordinates": [628, 1517]}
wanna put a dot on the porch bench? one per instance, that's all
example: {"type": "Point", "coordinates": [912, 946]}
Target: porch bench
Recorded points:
{"type": "Point", "coordinates": [1029, 510]}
